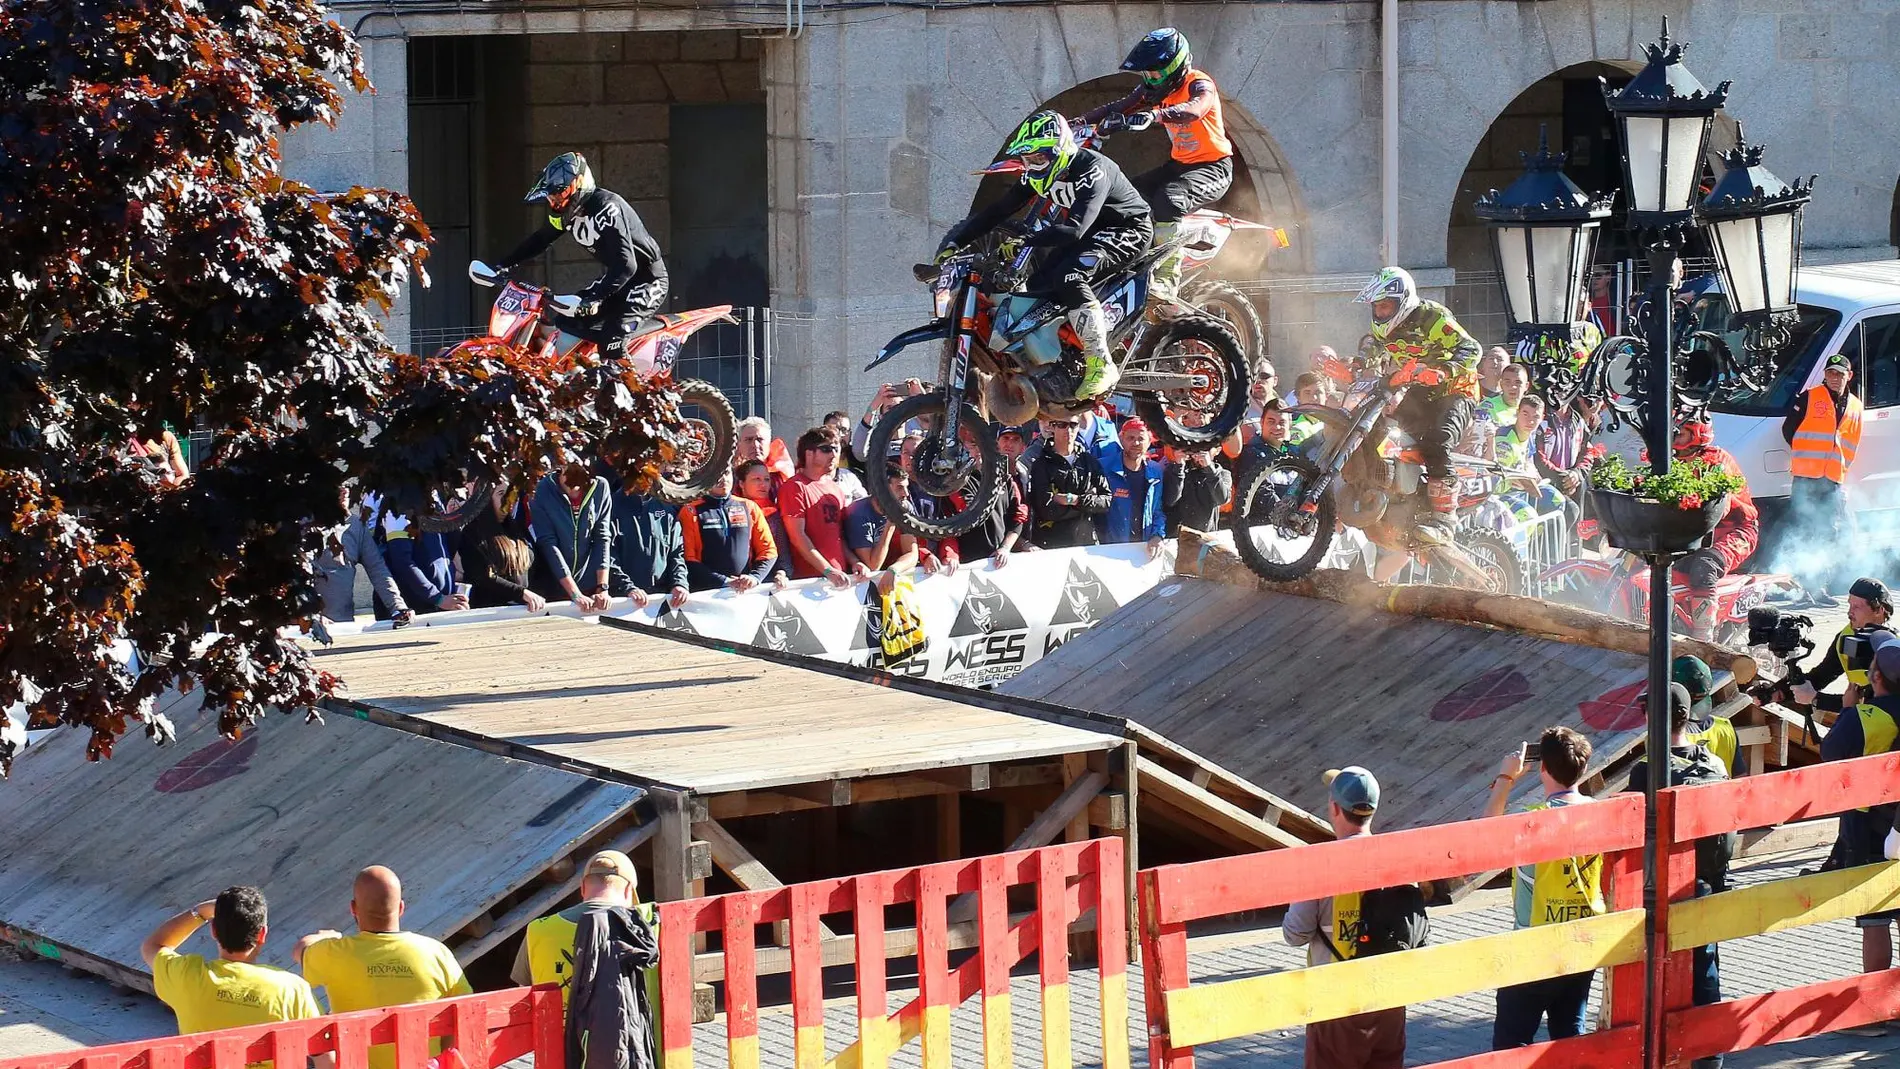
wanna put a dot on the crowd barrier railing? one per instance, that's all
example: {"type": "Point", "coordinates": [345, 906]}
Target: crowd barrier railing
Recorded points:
{"type": "Point", "coordinates": [1184, 1015]}
{"type": "Point", "coordinates": [484, 1030]}
{"type": "Point", "coordinates": [1691, 813]}
{"type": "Point", "coordinates": [1067, 882]}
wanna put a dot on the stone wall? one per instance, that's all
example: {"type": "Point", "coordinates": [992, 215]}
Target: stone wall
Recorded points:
{"type": "Point", "coordinates": [609, 97]}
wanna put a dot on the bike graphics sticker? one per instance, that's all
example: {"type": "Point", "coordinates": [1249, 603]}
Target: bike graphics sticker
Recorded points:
{"type": "Point", "coordinates": [989, 640]}
{"type": "Point", "coordinates": [784, 630]}
{"type": "Point", "coordinates": [1084, 602]}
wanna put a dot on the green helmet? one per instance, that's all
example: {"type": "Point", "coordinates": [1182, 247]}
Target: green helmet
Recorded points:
{"type": "Point", "coordinates": [1045, 145]}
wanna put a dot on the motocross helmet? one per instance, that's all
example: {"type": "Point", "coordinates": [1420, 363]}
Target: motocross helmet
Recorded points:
{"type": "Point", "coordinates": [1040, 149]}
{"type": "Point", "coordinates": [563, 177]}
{"type": "Point", "coordinates": [1161, 59]}
{"type": "Point", "coordinates": [1393, 283]}
{"type": "Point", "coordinates": [1694, 432]}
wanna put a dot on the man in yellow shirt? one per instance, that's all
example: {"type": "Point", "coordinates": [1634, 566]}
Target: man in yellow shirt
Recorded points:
{"type": "Point", "coordinates": [381, 965]}
{"type": "Point", "coordinates": [231, 990]}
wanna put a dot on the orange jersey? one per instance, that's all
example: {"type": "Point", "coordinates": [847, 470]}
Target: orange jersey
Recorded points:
{"type": "Point", "coordinates": [1200, 139]}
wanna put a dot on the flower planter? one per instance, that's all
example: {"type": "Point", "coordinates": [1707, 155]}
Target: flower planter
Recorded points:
{"type": "Point", "coordinates": [1643, 526]}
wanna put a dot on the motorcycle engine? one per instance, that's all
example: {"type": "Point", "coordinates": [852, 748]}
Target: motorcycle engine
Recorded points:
{"type": "Point", "coordinates": [1012, 399]}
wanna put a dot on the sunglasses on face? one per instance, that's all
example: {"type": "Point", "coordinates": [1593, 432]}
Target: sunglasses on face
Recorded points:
{"type": "Point", "coordinates": [1069, 423]}
{"type": "Point", "coordinates": [826, 448]}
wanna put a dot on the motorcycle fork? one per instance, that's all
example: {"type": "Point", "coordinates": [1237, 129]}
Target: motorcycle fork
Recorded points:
{"type": "Point", "coordinates": [957, 374]}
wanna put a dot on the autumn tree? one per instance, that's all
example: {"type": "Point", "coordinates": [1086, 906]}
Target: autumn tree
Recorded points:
{"type": "Point", "coordinates": [157, 269]}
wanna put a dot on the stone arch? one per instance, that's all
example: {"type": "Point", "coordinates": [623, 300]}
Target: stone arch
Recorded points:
{"type": "Point", "coordinates": [1264, 187]}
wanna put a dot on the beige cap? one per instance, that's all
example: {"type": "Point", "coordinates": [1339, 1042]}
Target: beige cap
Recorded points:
{"type": "Point", "coordinates": [612, 863]}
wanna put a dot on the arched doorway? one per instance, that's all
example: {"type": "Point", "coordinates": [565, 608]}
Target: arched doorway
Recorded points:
{"type": "Point", "coordinates": [1566, 106]}
{"type": "Point", "coordinates": [1264, 190]}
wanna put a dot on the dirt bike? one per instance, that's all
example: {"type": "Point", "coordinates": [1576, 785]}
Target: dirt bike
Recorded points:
{"type": "Point", "coordinates": [1009, 356]}
{"type": "Point", "coordinates": [1203, 233]}
{"type": "Point", "coordinates": [521, 317]}
{"type": "Point", "coordinates": [1365, 474]}
{"type": "Point", "coordinates": [1618, 586]}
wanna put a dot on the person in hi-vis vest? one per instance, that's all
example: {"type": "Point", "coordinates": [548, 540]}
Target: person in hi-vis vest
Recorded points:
{"type": "Point", "coordinates": [547, 944]}
{"type": "Point", "coordinates": [1324, 926]}
{"type": "Point", "coordinates": [1823, 432]}
{"type": "Point", "coordinates": [1551, 892]}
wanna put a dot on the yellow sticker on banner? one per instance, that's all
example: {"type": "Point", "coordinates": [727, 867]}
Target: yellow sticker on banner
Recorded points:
{"type": "Point", "coordinates": [1280, 239]}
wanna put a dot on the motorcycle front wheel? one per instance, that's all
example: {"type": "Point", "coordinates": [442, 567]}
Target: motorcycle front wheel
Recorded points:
{"type": "Point", "coordinates": [1193, 343]}
{"type": "Point", "coordinates": [971, 467]}
{"type": "Point", "coordinates": [711, 438]}
{"type": "Point", "coordinates": [1278, 539]}
{"type": "Point", "coordinates": [454, 511]}
{"type": "Point", "coordinates": [1496, 559]}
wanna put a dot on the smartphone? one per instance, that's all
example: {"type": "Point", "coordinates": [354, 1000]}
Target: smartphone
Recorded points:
{"type": "Point", "coordinates": [1527, 752]}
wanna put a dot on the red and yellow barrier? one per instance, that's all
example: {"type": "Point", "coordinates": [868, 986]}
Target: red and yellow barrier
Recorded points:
{"type": "Point", "coordinates": [1182, 1016]}
{"type": "Point", "coordinates": [1068, 882]}
{"type": "Point", "coordinates": [483, 1030]}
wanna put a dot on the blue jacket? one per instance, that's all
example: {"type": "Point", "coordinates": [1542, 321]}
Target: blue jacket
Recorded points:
{"type": "Point", "coordinates": [1122, 523]}
{"type": "Point", "coordinates": [422, 563]}
{"type": "Point", "coordinates": [569, 545]}
{"type": "Point", "coordinates": [649, 544]}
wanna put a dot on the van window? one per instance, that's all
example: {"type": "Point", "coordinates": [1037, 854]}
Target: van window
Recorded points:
{"type": "Point", "coordinates": [1874, 347]}
{"type": "Point", "coordinates": [1807, 338]}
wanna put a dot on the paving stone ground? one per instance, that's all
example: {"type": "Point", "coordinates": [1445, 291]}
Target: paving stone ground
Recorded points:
{"type": "Point", "coordinates": [43, 1008]}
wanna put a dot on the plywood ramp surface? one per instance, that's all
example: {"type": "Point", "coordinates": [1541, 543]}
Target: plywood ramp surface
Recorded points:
{"type": "Point", "coordinates": [673, 713]}
{"type": "Point", "coordinates": [95, 855]}
{"type": "Point", "coordinates": [1279, 688]}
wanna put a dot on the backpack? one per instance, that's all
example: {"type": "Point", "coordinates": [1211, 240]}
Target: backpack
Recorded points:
{"type": "Point", "coordinates": [1712, 852]}
{"type": "Point", "coordinates": [1390, 919]}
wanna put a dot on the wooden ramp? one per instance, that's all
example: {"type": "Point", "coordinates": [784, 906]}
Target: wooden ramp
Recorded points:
{"type": "Point", "coordinates": [95, 855]}
{"type": "Point", "coordinates": [1279, 688]}
{"type": "Point", "coordinates": [639, 706]}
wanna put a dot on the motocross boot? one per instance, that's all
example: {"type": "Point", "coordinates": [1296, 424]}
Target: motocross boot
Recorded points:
{"type": "Point", "coordinates": [1434, 526]}
{"type": "Point", "coordinates": [1700, 606]}
{"type": "Point", "coordinates": [1164, 281]}
{"type": "Point", "coordinates": [1099, 373]}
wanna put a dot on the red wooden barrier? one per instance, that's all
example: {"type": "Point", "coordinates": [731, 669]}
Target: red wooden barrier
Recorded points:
{"type": "Point", "coordinates": [1174, 895]}
{"type": "Point", "coordinates": [485, 1030]}
{"type": "Point", "coordinates": [1068, 881]}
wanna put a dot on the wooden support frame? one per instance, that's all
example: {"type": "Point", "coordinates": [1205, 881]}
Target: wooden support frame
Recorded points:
{"type": "Point", "coordinates": [1175, 792]}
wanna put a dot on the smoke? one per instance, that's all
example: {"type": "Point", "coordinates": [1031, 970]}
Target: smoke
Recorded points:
{"type": "Point", "coordinates": [1804, 544]}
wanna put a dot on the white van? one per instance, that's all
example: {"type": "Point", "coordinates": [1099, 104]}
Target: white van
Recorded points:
{"type": "Point", "coordinates": [1845, 308]}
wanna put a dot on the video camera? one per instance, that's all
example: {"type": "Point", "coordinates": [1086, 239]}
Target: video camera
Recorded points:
{"type": "Point", "coordinates": [1857, 650]}
{"type": "Point", "coordinates": [1788, 637]}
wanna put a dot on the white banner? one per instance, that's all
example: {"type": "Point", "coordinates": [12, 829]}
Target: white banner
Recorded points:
{"type": "Point", "coordinates": [984, 624]}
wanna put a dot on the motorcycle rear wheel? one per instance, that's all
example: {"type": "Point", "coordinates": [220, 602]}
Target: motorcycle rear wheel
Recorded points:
{"type": "Point", "coordinates": [1194, 342]}
{"type": "Point", "coordinates": [979, 478]}
{"type": "Point", "coordinates": [459, 512]}
{"type": "Point", "coordinates": [1224, 301]}
{"type": "Point", "coordinates": [1261, 497]}
{"type": "Point", "coordinates": [713, 437]}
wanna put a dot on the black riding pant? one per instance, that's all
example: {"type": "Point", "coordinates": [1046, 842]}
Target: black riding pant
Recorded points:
{"type": "Point", "coordinates": [1437, 423]}
{"type": "Point", "coordinates": [619, 316]}
{"type": "Point", "coordinates": [1174, 189]}
{"type": "Point", "coordinates": [1068, 275]}
{"type": "Point", "coordinates": [1701, 570]}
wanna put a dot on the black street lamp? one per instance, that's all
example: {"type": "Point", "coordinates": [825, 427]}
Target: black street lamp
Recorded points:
{"type": "Point", "coordinates": [1754, 223]}
{"type": "Point", "coordinates": [1544, 232]}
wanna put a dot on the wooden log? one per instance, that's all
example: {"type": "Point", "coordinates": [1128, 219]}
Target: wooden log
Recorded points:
{"type": "Point", "coordinates": [1534, 616]}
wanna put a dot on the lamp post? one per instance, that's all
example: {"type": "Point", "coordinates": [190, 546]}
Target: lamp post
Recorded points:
{"type": "Point", "coordinates": [1543, 236]}
{"type": "Point", "coordinates": [1753, 219]}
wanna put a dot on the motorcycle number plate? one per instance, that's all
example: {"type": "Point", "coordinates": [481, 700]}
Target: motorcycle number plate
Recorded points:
{"type": "Point", "coordinates": [513, 301]}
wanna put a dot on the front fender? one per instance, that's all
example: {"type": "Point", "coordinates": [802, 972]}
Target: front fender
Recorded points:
{"type": "Point", "coordinates": [935, 330]}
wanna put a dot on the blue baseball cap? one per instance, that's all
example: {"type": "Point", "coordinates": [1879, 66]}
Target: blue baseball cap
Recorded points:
{"type": "Point", "coordinates": [1353, 789]}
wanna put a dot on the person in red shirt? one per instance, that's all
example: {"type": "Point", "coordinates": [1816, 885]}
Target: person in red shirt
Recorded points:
{"type": "Point", "coordinates": [812, 506]}
{"type": "Point", "coordinates": [1735, 536]}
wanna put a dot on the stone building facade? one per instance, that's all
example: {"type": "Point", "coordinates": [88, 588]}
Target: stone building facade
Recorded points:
{"type": "Point", "coordinates": [873, 119]}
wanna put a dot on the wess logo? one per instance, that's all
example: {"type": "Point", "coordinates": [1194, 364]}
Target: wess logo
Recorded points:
{"type": "Point", "coordinates": [1085, 601]}
{"type": "Point", "coordinates": [784, 630]}
{"type": "Point", "coordinates": [671, 619]}
{"type": "Point", "coordinates": [989, 641]}
{"type": "Point", "coordinates": [986, 610]}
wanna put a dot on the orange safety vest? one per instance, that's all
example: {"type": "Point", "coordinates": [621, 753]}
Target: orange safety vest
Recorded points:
{"type": "Point", "coordinates": [1823, 447]}
{"type": "Point", "coordinates": [1201, 140]}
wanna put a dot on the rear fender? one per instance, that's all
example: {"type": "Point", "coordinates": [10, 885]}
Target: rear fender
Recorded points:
{"type": "Point", "coordinates": [935, 330]}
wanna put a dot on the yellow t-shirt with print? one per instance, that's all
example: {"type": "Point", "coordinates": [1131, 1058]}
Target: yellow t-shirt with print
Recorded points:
{"type": "Point", "coordinates": [207, 995]}
{"type": "Point", "coordinates": [371, 970]}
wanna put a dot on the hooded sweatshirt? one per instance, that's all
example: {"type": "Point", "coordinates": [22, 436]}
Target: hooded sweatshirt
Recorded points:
{"type": "Point", "coordinates": [570, 541]}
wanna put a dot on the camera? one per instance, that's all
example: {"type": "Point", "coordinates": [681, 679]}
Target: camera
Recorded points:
{"type": "Point", "coordinates": [1857, 651]}
{"type": "Point", "coordinates": [1785, 634]}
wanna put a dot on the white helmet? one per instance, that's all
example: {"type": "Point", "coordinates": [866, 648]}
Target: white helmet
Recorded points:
{"type": "Point", "coordinates": [1394, 283]}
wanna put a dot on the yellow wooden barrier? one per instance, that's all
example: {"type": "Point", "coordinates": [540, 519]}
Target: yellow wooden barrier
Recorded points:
{"type": "Point", "coordinates": [1208, 1013]}
{"type": "Point", "coordinates": [1784, 904]}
